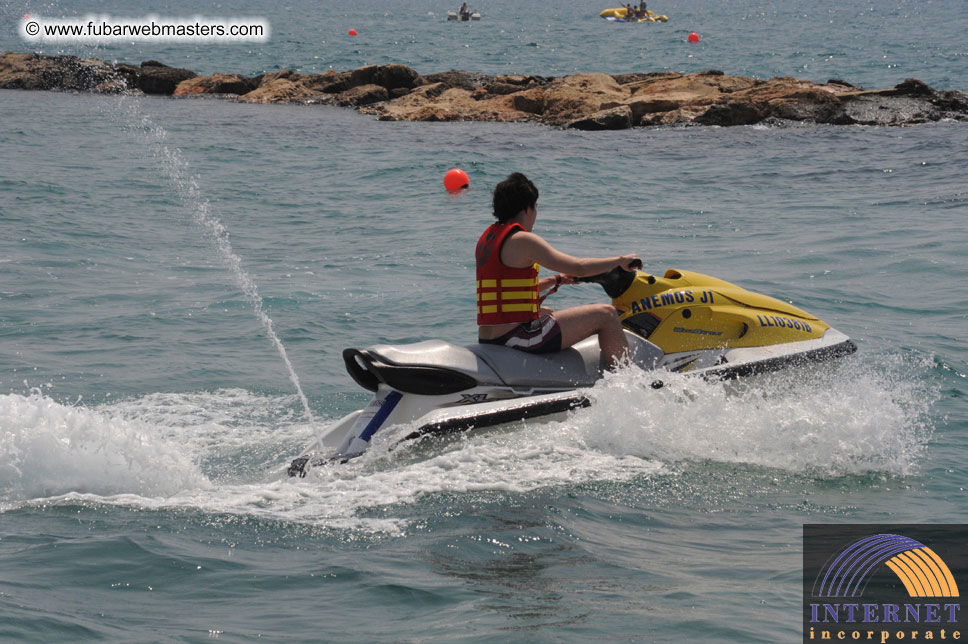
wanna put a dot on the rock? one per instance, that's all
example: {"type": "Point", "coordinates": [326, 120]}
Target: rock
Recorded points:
{"type": "Point", "coordinates": [810, 104]}
{"type": "Point", "coordinates": [363, 95]}
{"type": "Point", "coordinates": [522, 81]}
{"type": "Point", "coordinates": [726, 113]}
{"type": "Point", "coordinates": [671, 92]}
{"type": "Point", "coordinates": [387, 76]}
{"type": "Point", "coordinates": [216, 84]}
{"type": "Point", "coordinates": [913, 87]}
{"type": "Point", "coordinates": [129, 73]}
{"type": "Point", "coordinates": [447, 105]}
{"type": "Point", "coordinates": [642, 107]}
{"type": "Point", "coordinates": [501, 89]}
{"type": "Point", "coordinates": [529, 102]}
{"type": "Point", "coordinates": [887, 110]}
{"type": "Point", "coordinates": [64, 73]}
{"type": "Point", "coordinates": [576, 96]}
{"type": "Point", "coordinates": [679, 116]}
{"type": "Point", "coordinates": [281, 90]}
{"type": "Point", "coordinates": [287, 74]}
{"type": "Point", "coordinates": [453, 78]}
{"type": "Point", "coordinates": [616, 118]}
{"type": "Point", "coordinates": [428, 92]}
{"type": "Point", "coordinates": [783, 98]}
{"type": "Point", "coordinates": [156, 78]}
{"type": "Point", "coordinates": [953, 103]}
{"type": "Point", "coordinates": [634, 77]}
{"type": "Point", "coordinates": [427, 113]}
{"type": "Point", "coordinates": [331, 82]}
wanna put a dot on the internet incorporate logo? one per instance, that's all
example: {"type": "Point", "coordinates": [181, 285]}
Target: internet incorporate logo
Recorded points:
{"type": "Point", "coordinates": [907, 590]}
{"type": "Point", "coordinates": [922, 572]}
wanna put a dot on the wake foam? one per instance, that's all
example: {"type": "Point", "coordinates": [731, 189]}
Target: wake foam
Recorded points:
{"type": "Point", "coordinates": [48, 448]}
{"type": "Point", "coordinates": [841, 418]}
{"type": "Point", "coordinates": [225, 452]}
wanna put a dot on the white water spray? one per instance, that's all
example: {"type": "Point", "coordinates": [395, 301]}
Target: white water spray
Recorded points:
{"type": "Point", "coordinates": [186, 185]}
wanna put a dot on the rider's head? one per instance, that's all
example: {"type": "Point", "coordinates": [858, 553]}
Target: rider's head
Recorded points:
{"type": "Point", "coordinates": [514, 194]}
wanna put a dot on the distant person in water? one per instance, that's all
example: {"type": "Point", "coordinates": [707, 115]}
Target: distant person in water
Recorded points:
{"type": "Point", "coordinates": [509, 310]}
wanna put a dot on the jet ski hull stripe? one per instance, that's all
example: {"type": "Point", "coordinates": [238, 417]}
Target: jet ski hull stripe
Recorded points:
{"type": "Point", "coordinates": [499, 417]}
{"type": "Point", "coordinates": [844, 348]}
{"type": "Point", "coordinates": [389, 404]}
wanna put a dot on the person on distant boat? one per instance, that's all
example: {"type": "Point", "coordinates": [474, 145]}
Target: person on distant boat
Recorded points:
{"type": "Point", "coordinates": [643, 11]}
{"type": "Point", "coordinates": [463, 12]}
{"type": "Point", "coordinates": [509, 310]}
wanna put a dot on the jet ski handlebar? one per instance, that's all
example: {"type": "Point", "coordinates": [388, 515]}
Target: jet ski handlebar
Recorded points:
{"type": "Point", "coordinates": [616, 281]}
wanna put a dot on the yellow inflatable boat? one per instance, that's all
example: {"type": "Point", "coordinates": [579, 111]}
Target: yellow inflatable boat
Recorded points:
{"type": "Point", "coordinates": [621, 15]}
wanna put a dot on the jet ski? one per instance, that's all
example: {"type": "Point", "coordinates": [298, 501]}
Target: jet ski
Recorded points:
{"type": "Point", "coordinates": [683, 322]}
{"type": "Point", "coordinates": [463, 17]}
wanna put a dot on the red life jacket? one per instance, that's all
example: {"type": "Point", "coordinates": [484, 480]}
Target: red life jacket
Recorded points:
{"type": "Point", "coordinates": [504, 294]}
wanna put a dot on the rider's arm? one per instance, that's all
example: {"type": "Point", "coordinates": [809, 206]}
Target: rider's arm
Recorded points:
{"type": "Point", "coordinates": [549, 282]}
{"type": "Point", "coordinates": [524, 249]}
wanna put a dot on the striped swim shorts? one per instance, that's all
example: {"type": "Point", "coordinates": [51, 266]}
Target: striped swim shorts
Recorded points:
{"type": "Point", "coordinates": [538, 336]}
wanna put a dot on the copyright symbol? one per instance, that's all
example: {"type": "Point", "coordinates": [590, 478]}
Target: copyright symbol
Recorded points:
{"type": "Point", "coordinates": [32, 28]}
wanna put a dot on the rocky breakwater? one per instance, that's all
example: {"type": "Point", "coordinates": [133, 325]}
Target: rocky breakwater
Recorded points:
{"type": "Point", "coordinates": [615, 102]}
{"type": "Point", "coordinates": [582, 101]}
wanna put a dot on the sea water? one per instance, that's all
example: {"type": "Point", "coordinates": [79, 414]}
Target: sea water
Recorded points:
{"type": "Point", "coordinates": [147, 415]}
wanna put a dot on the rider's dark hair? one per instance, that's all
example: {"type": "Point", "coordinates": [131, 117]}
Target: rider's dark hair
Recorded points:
{"type": "Point", "coordinates": [514, 194]}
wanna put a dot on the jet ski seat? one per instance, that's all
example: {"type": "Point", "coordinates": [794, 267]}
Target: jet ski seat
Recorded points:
{"type": "Point", "coordinates": [436, 367]}
{"type": "Point", "coordinates": [429, 368]}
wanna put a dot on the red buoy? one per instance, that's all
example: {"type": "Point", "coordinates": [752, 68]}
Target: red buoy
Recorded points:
{"type": "Point", "coordinates": [455, 180]}
{"type": "Point", "coordinates": [352, 32]}
{"type": "Point", "coordinates": [694, 37]}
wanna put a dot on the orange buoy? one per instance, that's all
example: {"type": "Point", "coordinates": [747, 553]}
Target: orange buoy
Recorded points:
{"type": "Point", "coordinates": [455, 180]}
{"type": "Point", "coordinates": [694, 37]}
{"type": "Point", "coordinates": [352, 32]}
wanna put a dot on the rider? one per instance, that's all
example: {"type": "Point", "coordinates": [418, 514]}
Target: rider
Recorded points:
{"type": "Point", "coordinates": [508, 305]}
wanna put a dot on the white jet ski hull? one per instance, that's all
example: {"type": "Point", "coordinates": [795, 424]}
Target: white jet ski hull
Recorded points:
{"type": "Point", "coordinates": [554, 385]}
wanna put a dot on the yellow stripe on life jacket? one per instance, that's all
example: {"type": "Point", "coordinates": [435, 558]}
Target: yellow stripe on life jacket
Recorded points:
{"type": "Point", "coordinates": [517, 308]}
{"type": "Point", "coordinates": [519, 283]}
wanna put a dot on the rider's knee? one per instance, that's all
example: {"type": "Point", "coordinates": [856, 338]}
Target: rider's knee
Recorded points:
{"type": "Point", "coordinates": [607, 314]}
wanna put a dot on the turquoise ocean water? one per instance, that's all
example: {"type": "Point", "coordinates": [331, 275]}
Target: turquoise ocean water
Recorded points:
{"type": "Point", "coordinates": [146, 415]}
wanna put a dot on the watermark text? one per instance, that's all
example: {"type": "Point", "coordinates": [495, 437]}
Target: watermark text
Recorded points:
{"type": "Point", "coordinates": [95, 29]}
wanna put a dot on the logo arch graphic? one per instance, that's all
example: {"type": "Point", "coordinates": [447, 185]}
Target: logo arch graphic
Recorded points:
{"type": "Point", "coordinates": [922, 572]}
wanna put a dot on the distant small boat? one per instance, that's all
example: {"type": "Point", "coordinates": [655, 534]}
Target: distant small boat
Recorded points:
{"type": "Point", "coordinates": [463, 17]}
{"type": "Point", "coordinates": [621, 15]}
